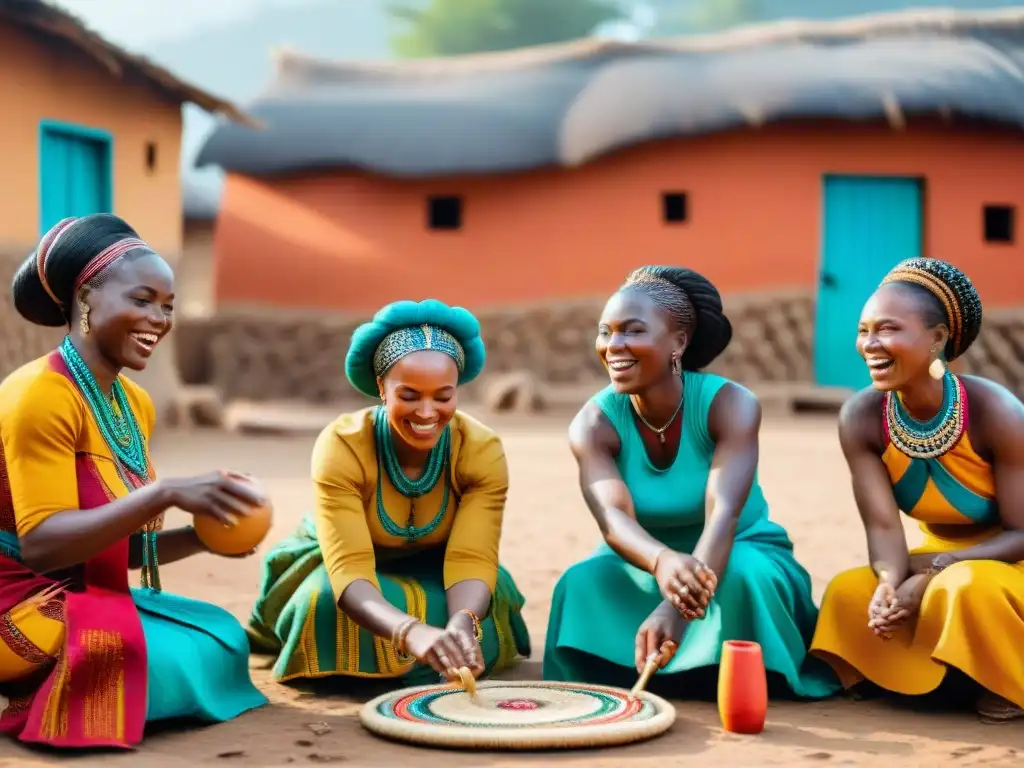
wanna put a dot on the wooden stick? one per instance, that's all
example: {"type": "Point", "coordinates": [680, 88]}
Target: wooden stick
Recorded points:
{"type": "Point", "coordinates": [649, 669]}
{"type": "Point", "coordinates": [468, 682]}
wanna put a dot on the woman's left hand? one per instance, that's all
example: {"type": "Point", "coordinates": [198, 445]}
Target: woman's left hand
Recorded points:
{"type": "Point", "coordinates": [905, 606]}
{"type": "Point", "coordinates": [465, 633]}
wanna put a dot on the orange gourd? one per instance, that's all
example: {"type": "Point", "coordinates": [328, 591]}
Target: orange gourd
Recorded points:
{"type": "Point", "coordinates": [247, 533]}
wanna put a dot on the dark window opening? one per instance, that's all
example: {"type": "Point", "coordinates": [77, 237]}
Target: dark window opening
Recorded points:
{"type": "Point", "coordinates": [444, 212]}
{"type": "Point", "coordinates": [999, 221]}
{"type": "Point", "coordinates": [150, 156]}
{"type": "Point", "coordinates": [674, 207]}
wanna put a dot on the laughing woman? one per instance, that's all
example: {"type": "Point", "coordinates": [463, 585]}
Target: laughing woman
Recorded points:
{"type": "Point", "coordinates": [912, 444]}
{"type": "Point", "coordinates": [668, 460]}
{"type": "Point", "coordinates": [397, 575]}
{"type": "Point", "coordinates": [86, 660]}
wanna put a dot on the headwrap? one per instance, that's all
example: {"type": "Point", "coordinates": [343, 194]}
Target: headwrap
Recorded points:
{"type": "Point", "coordinates": [92, 269]}
{"type": "Point", "coordinates": [954, 291]}
{"type": "Point", "coordinates": [405, 327]}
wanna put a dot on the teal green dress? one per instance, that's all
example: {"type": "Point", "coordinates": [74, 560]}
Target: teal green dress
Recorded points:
{"type": "Point", "coordinates": [198, 660]}
{"type": "Point", "coordinates": [764, 595]}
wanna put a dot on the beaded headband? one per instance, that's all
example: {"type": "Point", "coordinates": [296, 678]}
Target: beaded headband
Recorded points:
{"type": "Point", "coordinates": [97, 264]}
{"type": "Point", "coordinates": [936, 287]}
{"type": "Point", "coordinates": [45, 246]}
{"type": "Point", "coordinates": [405, 341]}
{"type": "Point", "coordinates": [106, 258]}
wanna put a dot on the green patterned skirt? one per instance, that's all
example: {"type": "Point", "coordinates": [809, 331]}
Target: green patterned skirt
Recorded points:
{"type": "Point", "coordinates": [297, 619]}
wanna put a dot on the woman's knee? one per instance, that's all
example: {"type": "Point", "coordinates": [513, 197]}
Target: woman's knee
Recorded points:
{"type": "Point", "coordinates": [850, 590]}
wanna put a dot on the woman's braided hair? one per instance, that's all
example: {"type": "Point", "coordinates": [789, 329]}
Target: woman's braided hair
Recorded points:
{"type": "Point", "coordinates": [950, 298]}
{"type": "Point", "coordinates": [694, 305]}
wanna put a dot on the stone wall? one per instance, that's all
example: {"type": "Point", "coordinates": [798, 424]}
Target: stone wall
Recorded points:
{"type": "Point", "coordinates": [20, 341]}
{"type": "Point", "coordinates": [260, 357]}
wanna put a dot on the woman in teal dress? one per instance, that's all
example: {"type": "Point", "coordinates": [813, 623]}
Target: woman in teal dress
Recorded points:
{"type": "Point", "coordinates": [668, 457]}
{"type": "Point", "coordinates": [87, 659]}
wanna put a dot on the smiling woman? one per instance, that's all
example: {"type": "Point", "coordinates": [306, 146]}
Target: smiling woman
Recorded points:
{"type": "Point", "coordinates": [913, 445]}
{"type": "Point", "coordinates": [397, 574]}
{"type": "Point", "coordinates": [89, 659]}
{"type": "Point", "coordinates": [668, 459]}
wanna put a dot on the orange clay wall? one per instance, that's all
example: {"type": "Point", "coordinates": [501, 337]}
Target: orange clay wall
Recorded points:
{"type": "Point", "coordinates": [351, 242]}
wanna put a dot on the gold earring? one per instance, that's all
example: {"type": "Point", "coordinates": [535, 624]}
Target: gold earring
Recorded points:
{"type": "Point", "coordinates": [677, 366]}
{"type": "Point", "coordinates": [83, 321]}
{"type": "Point", "coordinates": [937, 369]}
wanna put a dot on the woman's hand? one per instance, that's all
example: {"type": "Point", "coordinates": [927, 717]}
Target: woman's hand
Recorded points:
{"type": "Point", "coordinates": [464, 629]}
{"type": "Point", "coordinates": [438, 648]}
{"type": "Point", "coordinates": [685, 582]}
{"type": "Point", "coordinates": [904, 605]}
{"type": "Point", "coordinates": [659, 636]}
{"type": "Point", "coordinates": [223, 495]}
{"type": "Point", "coordinates": [881, 603]}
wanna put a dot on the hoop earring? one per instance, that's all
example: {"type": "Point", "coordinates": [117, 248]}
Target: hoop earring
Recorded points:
{"type": "Point", "coordinates": [83, 321]}
{"type": "Point", "coordinates": [677, 366]}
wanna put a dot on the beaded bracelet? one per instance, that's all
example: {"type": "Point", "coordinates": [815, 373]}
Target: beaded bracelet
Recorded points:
{"type": "Point", "coordinates": [401, 632]}
{"type": "Point", "coordinates": [478, 629]}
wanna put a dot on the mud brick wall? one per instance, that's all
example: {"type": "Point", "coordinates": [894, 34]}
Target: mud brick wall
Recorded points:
{"type": "Point", "coordinates": [20, 341]}
{"type": "Point", "coordinates": [262, 356]}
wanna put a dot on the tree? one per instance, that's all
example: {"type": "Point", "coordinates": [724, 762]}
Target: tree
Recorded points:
{"type": "Point", "coordinates": [453, 27]}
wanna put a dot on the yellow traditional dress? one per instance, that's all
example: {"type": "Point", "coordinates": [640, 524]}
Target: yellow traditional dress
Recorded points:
{"type": "Point", "coordinates": [972, 613]}
{"type": "Point", "coordinates": [351, 537]}
{"type": "Point", "coordinates": [86, 659]}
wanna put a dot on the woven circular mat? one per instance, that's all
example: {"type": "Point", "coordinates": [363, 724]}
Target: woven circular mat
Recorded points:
{"type": "Point", "coordinates": [517, 715]}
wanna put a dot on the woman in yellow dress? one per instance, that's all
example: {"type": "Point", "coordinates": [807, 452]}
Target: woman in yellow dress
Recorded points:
{"type": "Point", "coordinates": [397, 574]}
{"type": "Point", "coordinates": [87, 660]}
{"type": "Point", "coordinates": [912, 444]}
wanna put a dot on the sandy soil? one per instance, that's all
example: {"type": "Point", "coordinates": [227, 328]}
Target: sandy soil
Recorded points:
{"type": "Point", "coordinates": [547, 529]}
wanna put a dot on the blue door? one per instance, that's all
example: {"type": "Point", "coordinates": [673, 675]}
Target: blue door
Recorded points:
{"type": "Point", "coordinates": [869, 225]}
{"type": "Point", "coordinates": [74, 173]}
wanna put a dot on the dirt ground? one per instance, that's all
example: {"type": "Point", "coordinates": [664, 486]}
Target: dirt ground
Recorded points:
{"type": "Point", "coordinates": [548, 528]}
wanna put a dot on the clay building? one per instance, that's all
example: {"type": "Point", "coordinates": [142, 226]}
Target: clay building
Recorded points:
{"type": "Point", "coordinates": [792, 163]}
{"type": "Point", "coordinates": [87, 127]}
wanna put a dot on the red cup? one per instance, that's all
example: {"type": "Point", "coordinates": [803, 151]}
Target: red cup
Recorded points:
{"type": "Point", "coordinates": [742, 687]}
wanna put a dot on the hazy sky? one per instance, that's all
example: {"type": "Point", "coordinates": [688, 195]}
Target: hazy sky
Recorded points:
{"type": "Point", "coordinates": [137, 23]}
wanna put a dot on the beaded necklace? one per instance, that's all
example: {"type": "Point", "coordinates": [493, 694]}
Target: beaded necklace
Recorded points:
{"type": "Point", "coordinates": [121, 433]}
{"type": "Point", "coordinates": [387, 460]}
{"type": "Point", "coordinates": [927, 439]}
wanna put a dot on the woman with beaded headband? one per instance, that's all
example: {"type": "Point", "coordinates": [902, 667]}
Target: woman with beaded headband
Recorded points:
{"type": "Point", "coordinates": [396, 575]}
{"type": "Point", "coordinates": [913, 445]}
{"type": "Point", "coordinates": [668, 460]}
{"type": "Point", "coordinates": [88, 660]}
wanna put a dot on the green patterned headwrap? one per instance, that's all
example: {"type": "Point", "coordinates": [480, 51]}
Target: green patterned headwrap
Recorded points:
{"type": "Point", "coordinates": [405, 341]}
{"type": "Point", "coordinates": [405, 327]}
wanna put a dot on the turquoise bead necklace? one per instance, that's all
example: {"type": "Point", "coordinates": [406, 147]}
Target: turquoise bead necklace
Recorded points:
{"type": "Point", "coordinates": [931, 438]}
{"type": "Point", "coordinates": [387, 461]}
{"type": "Point", "coordinates": [121, 433]}
{"type": "Point", "coordinates": [119, 428]}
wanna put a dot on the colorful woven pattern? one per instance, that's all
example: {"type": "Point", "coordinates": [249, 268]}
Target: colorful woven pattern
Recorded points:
{"type": "Point", "coordinates": [518, 715]}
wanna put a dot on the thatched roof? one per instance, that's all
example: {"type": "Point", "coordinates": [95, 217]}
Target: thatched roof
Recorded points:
{"type": "Point", "coordinates": [44, 19]}
{"type": "Point", "coordinates": [563, 105]}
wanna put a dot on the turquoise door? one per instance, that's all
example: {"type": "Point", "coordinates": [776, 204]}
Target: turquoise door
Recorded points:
{"type": "Point", "coordinates": [869, 224]}
{"type": "Point", "coordinates": [74, 172]}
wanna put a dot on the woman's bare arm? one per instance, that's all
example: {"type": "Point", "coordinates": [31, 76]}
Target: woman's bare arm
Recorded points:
{"type": "Point", "coordinates": [595, 444]}
{"type": "Point", "coordinates": [734, 422]}
{"type": "Point", "coordinates": [859, 435]}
